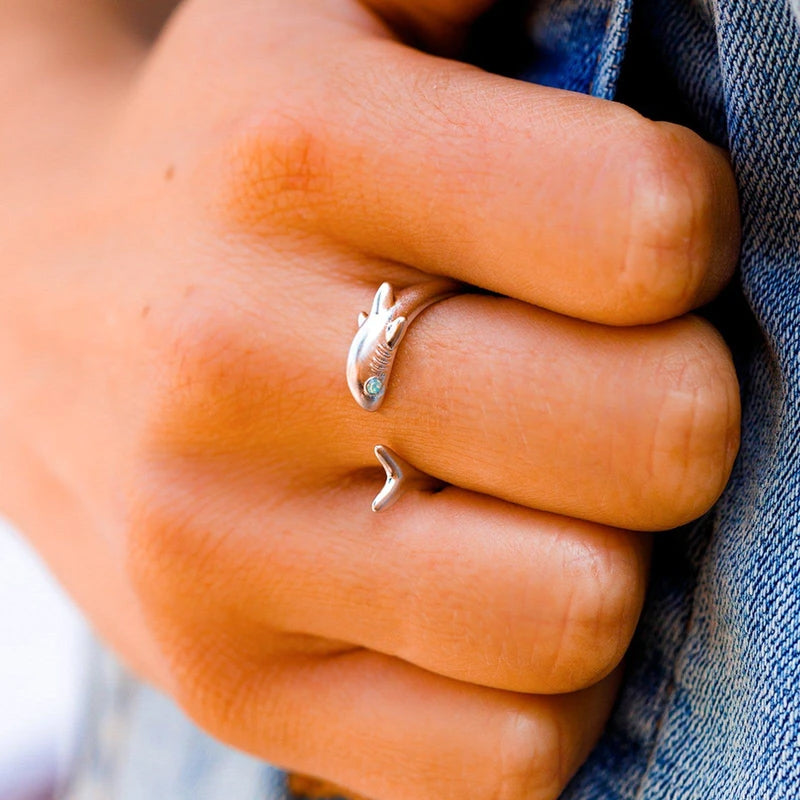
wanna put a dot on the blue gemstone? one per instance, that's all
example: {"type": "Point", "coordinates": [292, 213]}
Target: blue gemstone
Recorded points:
{"type": "Point", "coordinates": [373, 386]}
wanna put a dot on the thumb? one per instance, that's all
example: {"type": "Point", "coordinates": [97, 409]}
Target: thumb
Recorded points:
{"type": "Point", "coordinates": [223, 55]}
{"type": "Point", "coordinates": [437, 24]}
{"type": "Point", "coordinates": [434, 24]}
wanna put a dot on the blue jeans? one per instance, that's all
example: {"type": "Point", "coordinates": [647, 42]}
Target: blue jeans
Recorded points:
{"type": "Point", "coordinates": [710, 708]}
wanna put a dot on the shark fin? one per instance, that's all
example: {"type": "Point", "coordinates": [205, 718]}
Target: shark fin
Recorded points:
{"type": "Point", "coordinates": [395, 331]}
{"type": "Point", "coordinates": [384, 299]}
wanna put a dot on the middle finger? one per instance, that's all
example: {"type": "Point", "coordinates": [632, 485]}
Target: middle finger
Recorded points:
{"type": "Point", "coordinates": [635, 428]}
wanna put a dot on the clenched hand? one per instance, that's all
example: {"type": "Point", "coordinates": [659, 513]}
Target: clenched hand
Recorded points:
{"type": "Point", "coordinates": [191, 230]}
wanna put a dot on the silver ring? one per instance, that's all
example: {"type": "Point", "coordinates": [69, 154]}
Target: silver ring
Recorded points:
{"type": "Point", "coordinates": [372, 353]}
{"type": "Point", "coordinates": [400, 477]}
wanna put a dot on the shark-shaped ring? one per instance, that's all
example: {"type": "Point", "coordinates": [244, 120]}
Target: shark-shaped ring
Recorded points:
{"type": "Point", "coordinates": [372, 353]}
{"type": "Point", "coordinates": [400, 477]}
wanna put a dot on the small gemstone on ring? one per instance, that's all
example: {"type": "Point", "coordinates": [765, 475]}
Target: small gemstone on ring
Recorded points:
{"type": "Point", "coordinates": [373, 386]}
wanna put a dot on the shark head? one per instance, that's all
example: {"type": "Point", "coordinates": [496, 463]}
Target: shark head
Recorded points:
{"type": "Point", "coordinates": [372, 353]}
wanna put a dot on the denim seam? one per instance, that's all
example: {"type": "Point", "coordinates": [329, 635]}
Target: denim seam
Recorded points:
{"type": "Point", "coordinates": [667, 691]}
{"type": "Point", "coordinates": [607, 70]}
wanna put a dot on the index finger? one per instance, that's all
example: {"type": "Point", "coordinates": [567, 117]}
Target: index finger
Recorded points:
{"type": "Point", "coordinates": [568, 202]}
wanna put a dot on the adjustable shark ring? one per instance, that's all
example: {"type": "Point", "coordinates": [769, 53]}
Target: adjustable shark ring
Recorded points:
{"type": "Point", "coordinates": [400, 477]}
{"type": "Point", "coordinates": [371, 356]}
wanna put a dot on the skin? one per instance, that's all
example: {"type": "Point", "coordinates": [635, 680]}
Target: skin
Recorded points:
{"type": "Point", "coordinates": [191, 228]}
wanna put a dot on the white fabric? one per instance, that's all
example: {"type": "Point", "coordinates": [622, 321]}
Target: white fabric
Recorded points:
{"type": "Point", "coordinates": [41, 641]}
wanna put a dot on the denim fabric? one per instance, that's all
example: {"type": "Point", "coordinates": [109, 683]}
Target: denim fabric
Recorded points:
{"type": "Point", "coordinates": [136, 745]}
{"type": "Point", "coordinates": [710, 706]}
{"type": "Point", "coordinates": [579, 45]}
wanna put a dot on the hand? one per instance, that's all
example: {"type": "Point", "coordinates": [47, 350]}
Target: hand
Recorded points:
{"type": "Point", "coordinates": [178, 437]}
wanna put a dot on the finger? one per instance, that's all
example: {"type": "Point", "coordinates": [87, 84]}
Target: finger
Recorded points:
{"type": "Point", "coordinates": [468, 587]}
{"type": "Point", "coordinates": [459, 584]}
{"type": "Point", "coordinates": [346, 718]}
{"type": "Point", "coordinates": [633, 428]}
{"type": "Point", "coordinates": [563, 201]}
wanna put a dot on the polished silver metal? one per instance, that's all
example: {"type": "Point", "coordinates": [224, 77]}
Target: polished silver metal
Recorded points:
{"type": "Point", "coordinates": [372, 353]}
{"type": "Point", "coordinates": [400, 477]}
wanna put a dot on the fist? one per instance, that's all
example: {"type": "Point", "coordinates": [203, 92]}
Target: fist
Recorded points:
{"type": "Point", "coordinates": [208, 472]}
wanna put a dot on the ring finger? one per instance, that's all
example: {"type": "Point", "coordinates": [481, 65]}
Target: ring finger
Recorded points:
{"type": "Point", "coordinates": [463, 585]}
{"type": "Point", "coordinates": [630, 427]}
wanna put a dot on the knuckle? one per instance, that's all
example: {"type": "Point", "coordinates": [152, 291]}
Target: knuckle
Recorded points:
{"type": "Point", "coordinates": [603, 592]}
{"type": "Point", "coordinates": [212, 689]}
{"type": "Point", "coordinates": [162, 546]}
{"type": "Point", "coordinates": [531, 763]}
{"type": "Point", "coordinates": [670, 222]}
{"type": "Point", "coordinates": [222, 387]}
{"type": "Point", "coordinates": [696, 434]}
{"type": "Point", "coordinates": [219, 689]}
{"type": "Point", "coordinates": [188, 578]}
{"type": "Point", "coordinates": [181, 585]}
{"type": "Point", "coordinates": [206, 367]}
{"type": "Point", "coordinates": [188, 555]}
{"type": "Point", "coordinates": [277, 171]}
